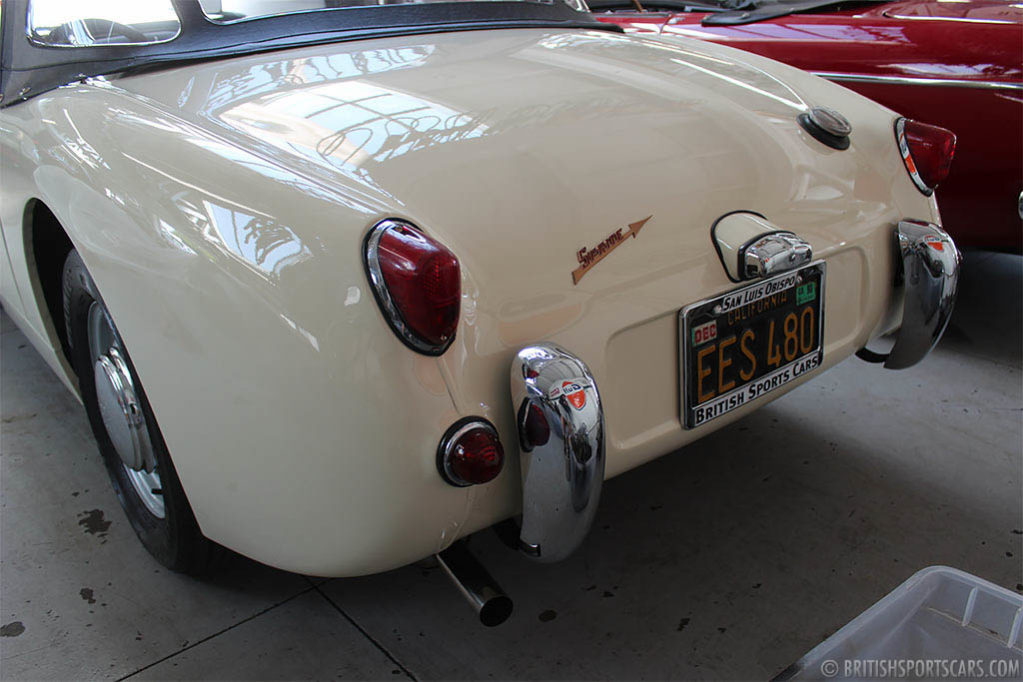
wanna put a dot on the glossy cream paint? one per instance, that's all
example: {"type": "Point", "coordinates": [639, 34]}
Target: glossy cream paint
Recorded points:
{"type": "Point", "coordinates": [221, 209]}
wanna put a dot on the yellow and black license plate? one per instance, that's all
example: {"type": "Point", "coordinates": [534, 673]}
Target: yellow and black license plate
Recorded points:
{"type": "Point", "coordinates": [749, 342]}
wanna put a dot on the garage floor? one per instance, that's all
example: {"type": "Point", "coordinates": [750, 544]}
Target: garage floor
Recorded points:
{"type": "Point", "coordinates": [728, 560]}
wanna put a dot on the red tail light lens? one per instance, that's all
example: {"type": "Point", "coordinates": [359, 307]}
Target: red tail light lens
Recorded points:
{"type": "Point", "coordinates": [927, 152]}
{"type": "Point", "coordinates": [470, 453]}
{"type": "Point", "coordinates": [417, 282]}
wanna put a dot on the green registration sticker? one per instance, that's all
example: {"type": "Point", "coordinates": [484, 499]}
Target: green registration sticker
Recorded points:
{"type": "Point", "coordinates": [806, 292]}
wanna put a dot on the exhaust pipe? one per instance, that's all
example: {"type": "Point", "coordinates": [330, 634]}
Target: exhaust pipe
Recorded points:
{"type": "Point", "coordinates": [485, 596]}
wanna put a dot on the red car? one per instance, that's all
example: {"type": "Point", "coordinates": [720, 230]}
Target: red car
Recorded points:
{"type": "Point", "coordinates": [952, 63]}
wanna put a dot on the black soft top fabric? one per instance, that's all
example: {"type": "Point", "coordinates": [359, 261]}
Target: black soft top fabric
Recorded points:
{"type": "Point", "coordinates": [27, 69]}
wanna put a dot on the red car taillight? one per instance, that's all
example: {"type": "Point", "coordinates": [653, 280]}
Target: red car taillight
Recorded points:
{"type": "Point", "coordinates": [417, 282]}
{"type": "Point", "coordinates": [470, 453]}
{"type": "Point", "coordinates": [927, 152]}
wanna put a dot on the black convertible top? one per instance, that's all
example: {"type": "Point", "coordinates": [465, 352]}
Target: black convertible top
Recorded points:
{"type": "Point", "coordinates": [28, 69]}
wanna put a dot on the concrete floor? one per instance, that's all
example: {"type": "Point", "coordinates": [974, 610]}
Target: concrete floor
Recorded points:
{"type": "Point", "coordinates": [728, 560]}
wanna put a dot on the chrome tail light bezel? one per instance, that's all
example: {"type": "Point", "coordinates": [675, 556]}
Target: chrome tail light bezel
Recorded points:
{"type": "Point", "coordinates": [446, 449]}
{"type": "Point", "coordinates": [386, 303]}
{"type": "Point", "coordinates": [907, 157]}
{"type": "Point", "coordinates": [911, 163]}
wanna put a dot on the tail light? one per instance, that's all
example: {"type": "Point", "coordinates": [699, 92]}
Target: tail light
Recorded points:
{"type": "Point", "coordinates": [417, 283]}
{"type": "Point", "coordinates": [470, 453]}
{"type": "Point", "coordinates": [927, 152]}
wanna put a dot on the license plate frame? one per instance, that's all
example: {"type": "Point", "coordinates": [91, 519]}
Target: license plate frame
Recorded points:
{"type": "Point", "coordinates": [699, 316]}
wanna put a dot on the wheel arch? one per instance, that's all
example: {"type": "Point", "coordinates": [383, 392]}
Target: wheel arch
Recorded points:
{"type": "Point", "coordinates": [46, 247]}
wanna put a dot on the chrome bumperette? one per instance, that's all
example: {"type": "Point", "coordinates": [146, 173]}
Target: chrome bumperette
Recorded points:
{"type": "Point", "coordinates": [562, 456]}
{"type": "Point", "coordinates": [773, 254]}
{"type": "Point", "coordinates": [928, 271]}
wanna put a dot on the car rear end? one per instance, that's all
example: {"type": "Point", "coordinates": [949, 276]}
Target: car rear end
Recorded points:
{"type": "Point", "coordinates": [600, 249]}
{"type": "Point", "coordinates": [567, 194]}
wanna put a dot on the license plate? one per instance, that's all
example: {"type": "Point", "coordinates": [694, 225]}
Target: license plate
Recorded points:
{"type": "Point", "coordinates": [744, 344]}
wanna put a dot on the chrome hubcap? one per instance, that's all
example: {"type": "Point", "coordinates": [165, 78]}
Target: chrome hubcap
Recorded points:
{"type": "Point", "coordinates": [121, 411]}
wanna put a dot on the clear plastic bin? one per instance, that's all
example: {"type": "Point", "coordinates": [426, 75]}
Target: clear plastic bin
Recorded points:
{"type": "Point", "coordinates": [940, 623]}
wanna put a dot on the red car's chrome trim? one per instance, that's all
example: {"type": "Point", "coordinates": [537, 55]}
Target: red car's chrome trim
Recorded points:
{"type": "Point", "coordinates": [906, 80]}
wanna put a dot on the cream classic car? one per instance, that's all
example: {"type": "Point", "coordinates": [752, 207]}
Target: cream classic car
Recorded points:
{"type": "Point", "coordinates": [340, 283]}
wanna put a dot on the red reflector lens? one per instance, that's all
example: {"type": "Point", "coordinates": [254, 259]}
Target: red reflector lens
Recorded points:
{"type": "Point", "coordinates": [472, 454]}
{"type": "Point", "coordinates": [927, 152]}
{"type": "Point", "coordinates": [535, 429]}
{"type": "Point", "coordinates": [418, 283]}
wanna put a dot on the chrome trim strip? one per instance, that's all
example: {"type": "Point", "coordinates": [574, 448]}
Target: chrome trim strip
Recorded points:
{"type": "Point", "coordinates": [928, 269]}
{"type": "Point", "coordinates": [905, 80]}
{"type": "Point", "coordinates": [562, 476]}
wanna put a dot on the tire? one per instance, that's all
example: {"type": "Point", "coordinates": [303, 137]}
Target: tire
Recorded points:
{"type": "Point", "coordinates": [145, 481]}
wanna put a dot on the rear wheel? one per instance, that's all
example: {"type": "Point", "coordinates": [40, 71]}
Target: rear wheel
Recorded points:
{"type": "Point", "coordinates": [126, 431]}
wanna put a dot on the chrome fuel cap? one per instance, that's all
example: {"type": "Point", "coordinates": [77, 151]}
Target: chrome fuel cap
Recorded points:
{"type": "Point", "coordinates": [826, 126]}
{"type": "Point", "coordinates": [831, 121]}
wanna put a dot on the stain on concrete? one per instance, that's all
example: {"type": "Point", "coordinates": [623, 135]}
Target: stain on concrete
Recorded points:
{"type": "Point", "coordinates": [722, 630]}
{"type": "Point", "coordinates": [94, 523]}
{"type": "Point", "coordinates": [548, 615]}
{"type": "Point", "coordinates": [18, 418]}
{"type": "Point", "coordinates": [608, 594]}
{"type": "Point", "coordinates": [86, 594]}
{"type": "Point", "coordinates": [12, 629]}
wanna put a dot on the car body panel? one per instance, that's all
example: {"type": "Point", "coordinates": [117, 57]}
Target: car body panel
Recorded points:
{"type": "Point", "coordinates": [956, 65]}
{"type": "Point", "coordinates": [221, 209]}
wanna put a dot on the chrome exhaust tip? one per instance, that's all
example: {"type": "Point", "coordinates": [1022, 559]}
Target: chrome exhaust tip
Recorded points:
{"type": "Point", "coordinates": [473, 581]}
